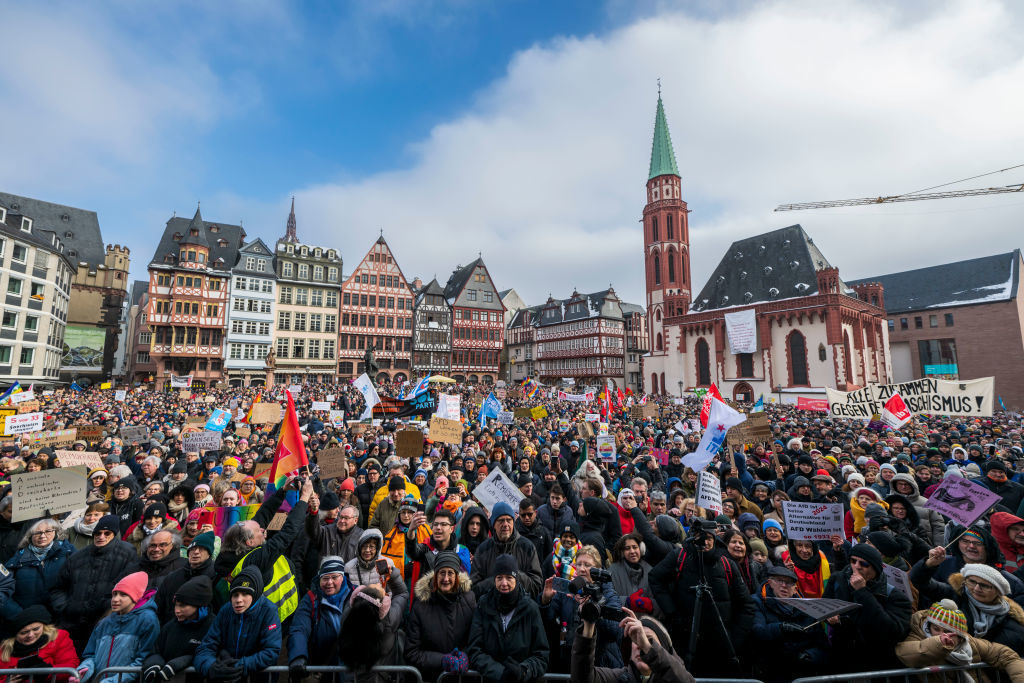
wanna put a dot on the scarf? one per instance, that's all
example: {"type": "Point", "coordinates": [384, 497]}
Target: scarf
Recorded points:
{"type": "Point", "coordinates": [146, 531]}
{"type": "Point", "coordinates": [40, 553]}
{"type": "Point", "coordinates": [332, 607]}
{"type": "Point", "coordinates": [176, 508]}
{"type": "Point", "coordinates": [985, 616]}
{"type": "Point", "coordinates": [85, 529]}
{"type": "Point", "coordinates": [21, 651]}
{"type": "Point", "coordinates": [961, 655]}
{"type": "Point", "coordinates": [563, 559]}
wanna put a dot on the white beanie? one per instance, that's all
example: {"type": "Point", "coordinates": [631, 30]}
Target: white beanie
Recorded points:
{"type": "Point", "coordinates": [856, 476]}
{"type": "Point", "coordinates": [989, 574]}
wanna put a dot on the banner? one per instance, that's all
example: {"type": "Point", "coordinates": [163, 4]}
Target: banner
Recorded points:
{"type": "Point", "coordinates": [23, 396]}
{"type": "Point", "coordinates": [592, 417]}
{"type": "Point", "coordinates": [819, 405]}
{"type": "Point", "coordinates": [497, 487]}
{"type": "Point", "coordinates": [321, 405]}
{"type": "Point", "coordinates": [181, 382]}
{"type": "Point", "coordinates": [577, 398]}
{"type": "Point", "coordinates": [813, 521]}
{"type": "Point", "coordinates": [972, 398]}
{"type": "Point", "coordinates": [218, 421]}
{"type": "Point", "coordinates": [22, 424]}
{"type": "Point", "coordinates": [83, 346]}
{"type": "Point", "coordinates": [741, 327]}
{"type": "Point", "coordinates": [962, 500]}
{"type": "Point", "coordinates": [709, 492]}
{"type": "Point", "coordinates": [48, 492]}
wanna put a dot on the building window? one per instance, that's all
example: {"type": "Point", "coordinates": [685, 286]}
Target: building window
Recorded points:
{"type": "Point", "coordinates": [933, 321]}
{"type": "Point", "coordinates": [298, 348]}
{"type": "Point", "coordinates": [331, 323]}
{"type": "Point", "coordinates": [488, 297]}
{"type": "Point", "coordinates": [14, 286]}
{"type": "Point", "coordinates": [332, 274]}
{"type": "Point", "coordinates": [949, 320]}
{"type": "Point", "coordinates": [19, 253]}
{"type": "Point", "coordinates": [316, 297]}
{"type": "Point", "coordinates": [303, 271]}
{"type": "Point", "coordinates": [657, 269]}
{"type": "Point", "coordinates": [670, 259]}
{"type": "Point", "coordinates": [282, 348]}
{"type": "Point", "coordinates": [287, 269]}
{"type": "Point", "coordinates": [301, 296]}
{"type": "Point", "coordinates": [918, 322]}
{"type": "Point", "coordinates": [286, 295]}
{"type": "Point", "coordinates": [31, 323]}
{"type": "Point", "coordinates": [28, 354]}
{"type": "Point", "coordinates": [347, 299]}
{"type": "Point", "coordinates": [471, 294]}
{"type": "Point", "coordinates": [654, 228]}
{"type": "Point", "coordinates": [142, 357]}
{"type": "Point", "coordinates": [332, 299]}
{"type": "Point", "coordinates": [318, 272]}
{"type": "Point", "coordinates": [703, 363]}
{"type": "Point", "coordinates": [903, 324]}
{"type": "Point", "coordinates": [746, 360]}
{"type": "Point", "coordinates": [284, 320]}
{"type": "Point", "coordinates": [250, 263]}
{"type": "Point", "coordinates": [892, 325]}
{"type": "Point", "coordinates": [314, 349]}
{"type": "Point", "coordinates": [938, 357]}
{"type": "Point", "coordinates": [797, 347]}
{"type": "Point", "coordinates": [300, 322]}
{"type": "Point", "coordinates": [10, 319]}
{"type": "Point", "coordinates": [5, 355]}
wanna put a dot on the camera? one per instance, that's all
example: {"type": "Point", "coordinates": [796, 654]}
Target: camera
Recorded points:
{"type": "Point", "coordinates": [701, 530]}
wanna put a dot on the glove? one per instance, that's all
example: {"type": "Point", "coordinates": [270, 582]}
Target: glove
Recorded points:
{"type": "Point", "coordinates": [297, 667]}
{"type": "Point", "coordinates": [510, 674]}
{"type": "Point", "coordinates": [151, 674]}
{"type": "Point", "coordinates": [455, 662]}
{"type": "Point", "coordinates": [639, 603]}
{"type": "Point", "coordinates": [171, 668]}
{"type": "Point", "coordinates": [225, 670]}
{"type": "Point", "coordinates": [790, 629]}
{"type": "Point", "coordinates": [590, 612]}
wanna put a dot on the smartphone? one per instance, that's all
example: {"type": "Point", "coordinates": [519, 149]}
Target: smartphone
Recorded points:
{"type": "Point", "coordinates": [382, 567]}
{"type": "Point", "coordinates": [421, 507]}
{"type": "Point", "coordinates": [614, 613]}
{"type": "Point", "coordinates": [562, 585]}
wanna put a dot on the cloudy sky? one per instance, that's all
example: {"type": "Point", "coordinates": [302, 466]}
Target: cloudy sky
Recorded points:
{"type": "Point", "coordinates": [521, 129]}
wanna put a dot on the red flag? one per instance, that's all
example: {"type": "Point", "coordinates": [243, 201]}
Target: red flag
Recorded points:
{"type": "Point", "coordinates": [895, 412]}
{"type": "Point", "coordinates": [620, 397]}
{"type": "Point", "coordinates": [291, 452]}
{"type": "Point", "coordinates": [705, 408]}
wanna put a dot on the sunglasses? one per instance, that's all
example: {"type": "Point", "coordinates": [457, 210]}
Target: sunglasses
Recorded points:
{"type": "Point", "coordinates": [855, 562]}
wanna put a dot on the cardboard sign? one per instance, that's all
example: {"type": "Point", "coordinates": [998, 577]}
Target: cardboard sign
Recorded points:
{"type": "Point", "coordinates": [709, 492]}
{"type": "Point", "coordinates": [53, 492]}
{"type": "Point", "coordinates": [409, 443]}
{"type": "Point", "coordinates": [23, 424]}
{"type": "Point", "coordinates": [961, 500]}
{"type": "Point", "coordinates": [201, 441]}
{"type": "Point", "coordinates": [506, 417]}
{"type": "Point", "coordinates": [497, 487]}
{"type": "Point", "coordinates": [523, 413]}
{"type": "Point", "coordinates": [813, 521]}
{"type": "Point", "coordinates": [88, 459]}
{"type": "Point", "coordinates": [242, 432]}
{"type": "Point", "coordinates": [277, 522]}
{"type": "Point", "coordinates": [606, 447]}
{"type": "Point", "coordinates": [51, 437]}
{"type": "Point", "coordinates": [184, 395]}
{"type": "Point", "coordinates": [332, 463]}
{"type": "Point", "coordinates": [898, 579]}
{"type": "Point", "coordinates": [90, 433]}
{"type": "Point", "coordinates": [445, 431]}
{"type": "Point", "coordinates": [295, 389]}
{"type": "Point", "coordinates": [209, 399]}
{"type": "Point", "coordinates": [22, 397]}
{"type": "Point", "coordinates": [585, 429]}
{"type": "Point", "coordinates": [266, 413]}
{"type": "Point", "coordinates": [538, 413]}
{"type": "Point", "coordinates": [262, 470]}
{"type": "Point", "coordinates": [134, 433]}
{"type": "Point", "coordinates": [28, 407]}
{"type": "Point", "coordinates": [321, 405]}
{"type": "Point", "coordinates": [757, 427]}
{"type": "Point", "coordinates": [196, 420]}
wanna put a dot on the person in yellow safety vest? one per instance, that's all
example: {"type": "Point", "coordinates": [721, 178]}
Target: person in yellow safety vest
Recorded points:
{"type": "Point", "coordinates": [246, 545]}
{"type": "Point", "coordinates": [394, 541]}
{"type": "Point", "coordinates": [395, 468]}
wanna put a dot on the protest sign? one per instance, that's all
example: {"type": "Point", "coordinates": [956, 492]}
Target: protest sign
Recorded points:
{"type": "Point", "coordinates": [445, 431]}
{"type": "Point", "coordinates": [813, 521]}
{"type": "Point", "coordinates": [266, 413]}
{"type": "Point", "coordinates": [47, 492]}
{"type": "Point", "coordinates": [89, 433]}
{"type": "Point", "coordinates": [336, 418]}
{"type": "Point", "coordinates": [295, 389]}
{"type": "Point", "coordinates": [50, 437]}
{"type": "Point", "coordinates": [22, 397]}
{"type": "Point", "coordinates": [218, 420]}
{"type": "Point", "coordinates": [592, 417]}
{"type": "Point", "coordinates": [181, 382]}
{"type": "Point", "coordinates": [22, 424]}
{"type": "Point", "coordinates": [741, 329]}
{"type": "Point", "coordinates": [277, 521]}
{"type": "Point", "coordinates": [330, 398]}
{"type": "Point", "coordinates": [195, 420]}
{"type": "Point", "coordinates": [962, 500]}
{"type": "Point", "coordinates": [606, 447]}
{"type": "Point", "coordinates": [820, 609]}
{"type": "Point", "coordinates": [263, 470]}
{"type": "Point", "coordinates": [201, 441]}
{"type": "Point", "coordinates": [28, 407]}
{"type": "Point", "coordinates": [898, 579]}
{"type": "Point", "coordinates": [972, 398]}
{"type": "Point", "coordinates": [819, 405]}
{"type": "Point", "coordinates": [538, 413]}
{"type": "Point", "coordinates": [120, 395]}
{"type": "Point", "coordinates": [524, 413]}
{"type": "Point", "coordinates": [134, 433]}
{"type": "Point", "coordinates": [661, 455]}
{"type": "Point", "coordinates": [89, 459]}
{"type": "Point", "coordinates": [501, 394]}
{"type": "Point", "coordinates": [602, 427]}
{"type": "Point", "coordinates": [497, 487]}
{"type": "Point", "coordinates": [506, 417]}
{"type": "Point", "coordinates": [242, 432]}
{"type": "Point", "coordinates": [757, 427]}
{"type": "Point", "coordinates": [184, 395]}
{"type": "Point", "coordinates": [709, 492]}
{"type": "Point", "coordinates": [322, 405]}
{"type": "Point", "coordinates": [332, 463]}
{"type": "Point", "coordinates": [233, 404]}
{"type": "Point", "coordinates": [563, 425]}
{"type": "Point", "coordinates": [585, 429]}
{"type": "Point", "coordinates": [409, 443]}
{"type": "Point", "coordinates": [449, 406]}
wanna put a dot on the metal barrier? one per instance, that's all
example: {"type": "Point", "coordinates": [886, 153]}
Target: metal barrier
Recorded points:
{"type": "Point", "coordinates": [474, 676]}
{"type": "Point", "coordinates": [404, 671]}
{"type": "Point", "coordinates": [50, 673]}
{"type": "Point", "coordinates": [947, 673]}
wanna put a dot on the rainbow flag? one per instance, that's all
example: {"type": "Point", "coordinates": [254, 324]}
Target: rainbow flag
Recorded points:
{"type": "Point", "coordinates": [224, 518]}
{"type": "Point", "coordinates": [248, 416]}
{"type": "Point", "coordinates": [291, 452]}
{"type": "Point", "coordinates": [11, 390]}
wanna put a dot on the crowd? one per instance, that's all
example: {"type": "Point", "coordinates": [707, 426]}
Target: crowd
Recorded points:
{"type": "Point", "coordinates": [191, 565]}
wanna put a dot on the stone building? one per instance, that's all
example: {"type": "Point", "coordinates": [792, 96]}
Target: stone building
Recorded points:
{"type": "Point", "coordinates": [478, 330]}
{"type": "Point", "coordinates": [432, 331]}
{"type": "Point", "coordinates": [250, 315]}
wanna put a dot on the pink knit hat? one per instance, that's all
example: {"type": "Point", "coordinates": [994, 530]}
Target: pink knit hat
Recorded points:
{"type": "Point", "coordinates": [133, 585]}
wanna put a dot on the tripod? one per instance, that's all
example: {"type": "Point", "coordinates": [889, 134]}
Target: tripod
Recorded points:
{"type": "Point", "coordinates": [703, 592]}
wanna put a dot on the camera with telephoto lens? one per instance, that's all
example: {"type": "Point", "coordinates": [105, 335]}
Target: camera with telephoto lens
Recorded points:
{"type": "Point", "coordinates": [701, 530]}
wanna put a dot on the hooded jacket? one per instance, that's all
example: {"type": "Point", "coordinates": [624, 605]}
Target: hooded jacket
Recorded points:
{"type": "Point", "coordinates": [360, 573]}
{"type": "Point", "coordinates": [121, 640]}
{"type": "Point", "coordinates": [665, 542]}
{"type": "Point", "coordinates": [931, 521]}
{"type": "Point", "coordinates": [438, 624]}
{"type": "Point", "coordinates": [955, 561]}
{"type": "Point", "coordinates": [777, 652]}
{"type": "Point", "coordinates": [920, 650]}
{"type": "Point", "coordinates": [82, 591]}
{"type": "Point", "coordinates": [1013, 553]}
{"type": "Point", "coordinates": [253, 638]}
{"type": "Point", "coordinates": [595, 522]}
{"type": "Point", "coordinates": [176, 579]}
{"type": "Point", "coordinates": [34, 579]}
{"type": "Point", "coordinates": [521, 648]}
{"type": "Point", "coordinates": [128, 511]}
{"type": "Point", "coordinates": [883, 619]}
{"type": "Point", "coordinates": [485, 528]}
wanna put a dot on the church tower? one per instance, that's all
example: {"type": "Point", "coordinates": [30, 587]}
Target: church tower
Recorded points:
{"type": "Point", "coordinates": [666, 239]}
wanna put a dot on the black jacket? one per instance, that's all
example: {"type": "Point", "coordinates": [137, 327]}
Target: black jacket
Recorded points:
{"type": "Point", "coordinates": [158, 570]}
{"type": "Point", "coordinates": [516, 653]}
{"type": "Point", "coordinates": [538, 535]}
{"type": "Point", "coordinates": [437, 625]}
{"type": "Point", "coordinates": [882, 621]}
{"type": "Point", "coordinates": [82, 592]}
{"type": "Point", "coordinates": [176, 579]}
{"type": "Point", "coordinates": [128, 511]}
{"type": "Point", "coordinates": [177, 644]}
{"type": "Point", "coordinates": [530, 578]}
{"type": "Point", "coordinates": [780, 655]}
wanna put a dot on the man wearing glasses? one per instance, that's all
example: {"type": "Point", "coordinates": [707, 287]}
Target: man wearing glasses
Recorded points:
{"type": "Point", "coordinates": [340, 539]}
{"type": "Point", "coordinates": [442, 537]}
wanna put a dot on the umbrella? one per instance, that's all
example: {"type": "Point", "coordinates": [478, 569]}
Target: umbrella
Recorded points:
{"type": "Point", "coordinates": [441, 378]}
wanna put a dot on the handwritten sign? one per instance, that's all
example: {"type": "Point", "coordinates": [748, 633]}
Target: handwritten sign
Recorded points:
{"type": "Point", "coordinates": [184, 395]}
{"type": "Point", "coordinates": [134, 433]}
{"type": "Point", "coordinates": [47, 492]}
{"type": "Point", "coordinates": [120, 395]}
{"type": "Point", "coordinates": [585, 429]}
{"type": "Point", "coordinates": [322, 405]}
{"type": "Point", "coordinates": [592, 417]}
{"type": "Point", "coordinates": [538, 413]}
{"type": "Point", "coordinates": [497, 487]}
{"type": "Point", "coordinates": [332, 463]}
{"type": "Point", "coordinates": [90, 433]}
{"type": "Point", "coordinates": [51, 437]}
{"type": "Point", "coordinates": [266, 413]}
{"type": "Point", "coordinates": [506, 417]}
{"type": "Point", "coordinates": [90, 459]}
{"type": "Point", "coordinates": [606, 447]}
{"type": "Point", "coordinates": [444, 430]}
{"type": "Point", "coordinates": [409, 443]}
{"type": "Point", "coordinates": [22, 397]}
{"type": "Point", "coordinates": [709, 492]}
{"type": "Point", "coordinates": [242, 432]}
{"type": "Point", "coordinates": [961, 500]}
{"type": "Point", "coordinates": [263, 470]}
{"type": "Point", "coordinates": [336, 418]}
{"type": "Point", "coordinates": [524, 413]}
{"type": "Point", "coordinates": [813, 521]}
{"type": "Point", "coordinates": [201, 441]}
{"type": "Point", "coordinates": [277, 521]}
{"type": "Point", "coordinates": [23, 424]}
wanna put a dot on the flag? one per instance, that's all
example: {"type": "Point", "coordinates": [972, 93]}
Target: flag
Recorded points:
{"type": "Point", "coordinates": [705, 408]}
{"type": "Point", "coordinates": [291, 452]}
{"type": "Point", "coordinates": [490, 408]}
{"type": "Point", "coordinates": [218, 421]}
{"type": "Point", "coordinates": [643, 399]}
{"type": "Point", "coordinates": [620, 397]}
{"type": "Point", "coordinates": [248, 416]}
{"type": "Point", "coordinates": [720, 419]}
{"type": "Point", "coordinates": [1001, 404]}
{"type": "Point", "coordinates": [420, 388]}
{"type": "Point", "coordinates": [759, 406]}
{"type": "Point", "coordinates": [895, 412]}
{"type": "Point", "coordinates": [11, 390]}
{"type": "Point", "coordinates": [75, 386]}
{"type": "Point", "coordinates": [365, 386]}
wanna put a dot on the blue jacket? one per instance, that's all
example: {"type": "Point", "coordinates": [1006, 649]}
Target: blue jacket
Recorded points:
{"type": "Point", "coordinates": [316, 626]}
{"type": "Point", "coordinates": [33, 579]}
{"type": "Point", "coordinates": [252, 637]}
{"type": "Point", "coordinates": [121, 640]}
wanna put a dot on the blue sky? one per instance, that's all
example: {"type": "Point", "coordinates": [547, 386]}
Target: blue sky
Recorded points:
{"type": "Point", "coordinates": [518, 129]}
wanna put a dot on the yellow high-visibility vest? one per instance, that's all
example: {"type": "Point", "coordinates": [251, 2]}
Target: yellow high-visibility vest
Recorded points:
{"type": "Point", "coordinates": [282, 591]}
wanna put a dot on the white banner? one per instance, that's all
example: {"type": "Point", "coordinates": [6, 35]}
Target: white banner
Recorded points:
{"type": "Point", "coordinates": [709, 492]}
{"type": "Point", "coordinates": [120, 395]}
{"type": "Point", "coordinates": [813, 521]}
{"type": "Point", "coordinates": [741, 327]}
{"type": "Point", "coordinates": [23, 396]}
{"type": "Point", "coordinates": [449, 406]}
{"type": "Point", "coordinates": [973, 397]}
{"type": "Point", "coordinates": [22, 424]}
{"type": "Point", "coordinates": [321, 405]}
{"type": "Point", "coordinates": [48, 492]}
{"type": "Point", "coordinates": [182, 382]}
{"type": "Point", "coordinates": [577, 398]}
{"type": "Point", "coordinates": [592, 417]}
{"type": "Point", "coordinates": [506, 417]}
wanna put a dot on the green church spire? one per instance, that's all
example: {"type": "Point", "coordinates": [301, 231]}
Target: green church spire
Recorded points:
{"type": "Point", "coordinates": [663, 159]}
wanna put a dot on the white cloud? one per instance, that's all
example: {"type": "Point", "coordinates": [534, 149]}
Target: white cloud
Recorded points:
{"type": "Point", "coordinates": [787, 102]}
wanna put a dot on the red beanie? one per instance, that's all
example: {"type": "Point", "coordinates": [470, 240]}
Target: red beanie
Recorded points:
{"type": "Point", "coordinates": [133, 585]}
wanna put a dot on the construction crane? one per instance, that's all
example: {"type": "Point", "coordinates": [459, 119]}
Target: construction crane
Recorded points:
{"type": "Point", "coordinates": [918, 195]}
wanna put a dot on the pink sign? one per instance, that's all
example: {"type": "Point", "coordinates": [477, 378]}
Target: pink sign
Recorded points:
{"type": "Point", "coordinates": [661, 455]}
{"type": "Point", "coordinates": [817, 404]}
{"type": "Point", "coordinates": [961, 500]}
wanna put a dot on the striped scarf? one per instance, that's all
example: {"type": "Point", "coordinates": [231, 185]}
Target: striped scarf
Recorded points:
{"type": "Point", "coordinates": [564, 560]}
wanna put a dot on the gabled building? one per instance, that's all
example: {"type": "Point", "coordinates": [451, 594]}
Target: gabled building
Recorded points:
{"type": "Point", "coordinates": [432, 331]}
{"type": "Point", "coordinates": [376, 312]}
{"type": "Point", "coordinates": [251, 315]}
{"type": "Point", "coordinates": [139, 367]}
{"type": "Point", "coordinates": [478, 329]}
{"type": "Point", "coordinates": [189, 281]}
{"type": "Point", "coordinates": [638, 343]}
{"type": "Point", "coordinates": [521, 344]}
{"type": "Point", "coordinates": [581, 338]}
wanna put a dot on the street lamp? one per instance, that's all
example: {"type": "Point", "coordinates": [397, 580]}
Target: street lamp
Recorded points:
{"type": "Point", "coordinates": [778, 391]}
{"type": "Point", "coordinates": [680, 388]}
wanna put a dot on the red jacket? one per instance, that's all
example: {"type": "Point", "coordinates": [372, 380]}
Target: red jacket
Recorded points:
{"type": "Point", "coordinates": [58, 653]}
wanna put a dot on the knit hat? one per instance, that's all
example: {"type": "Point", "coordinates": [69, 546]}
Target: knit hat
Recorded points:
{"type": "Point", "coordinates": [408, 504]}
{"type": "Point", "coordinates": [205, 540]}
{"type": "Point", "coordinates": [108, 523]}
{"type": "Point", "coordinates": [757, 545]}
{"type": "Point", "coordinates": [133, 585]}
{"type": "Point", "coordinates": [946, 614]}
{"type": "Point", "coordinates": [734, 483]}
{"type": "Point", "coordinates": [770, 523]}
{"type": "Point", "coordinates": [885, 542]}
{"type": "Point", "coordinates": [396, 483]}
{"type": "Point", "coordinates": [230, 462]}
{"type": "Point", "coordinates": [34, 614]}
{"type": "Point", "coordinates": [329, 501]}
{"type": "Point", "coordinates": [501, 509]}
{"type": "Point", "coordinates": [869, 554]}
{"type": "Point", "coordinates": [447, 559]}
{"type": "Point", "coordinates": [989, 574]}
{"type": "Point", "coordinates": [155, 510]}
{"type": "Point", "coordinates": [197, 591]}
{"type": "Point", "coordinates": [348, 484]}
{"type": "Point", "coordinates": [856, 477]}
{"type": "Point", "coordinates": [332, 564]}
{"type": "Point", "coordinates": [505, 564]}
{"type": "Point", "coordinates": [723, 519]}
{"type": "Point", "coordinates": [249, 580]}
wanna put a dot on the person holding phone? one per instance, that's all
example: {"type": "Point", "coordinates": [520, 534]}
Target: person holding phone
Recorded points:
{"type": "Point", "coordinates": [647, 647]}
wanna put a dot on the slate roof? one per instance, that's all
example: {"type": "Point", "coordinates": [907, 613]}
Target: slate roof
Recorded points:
{"type": "Point", "coordinates": [976, 281]}
{"type": "Point", "coordinates": [432, 287]}
{"type": "Point", "coordinates": [85, 242]}
{"type": "Point", "coordinates": [139, 287]}
{"type": "Point", "coordinates": [458, 279]}
{"type": "Point", "coordinates": [565, 310]}
{"type": "Point", "coordinates": [630, 309]}
{"type": "Point", "coordinates": [776, 265]}
{"type": "Point", "coordinates": [233, 236]}
{"type": "Point", "coordinates": [266, 253]}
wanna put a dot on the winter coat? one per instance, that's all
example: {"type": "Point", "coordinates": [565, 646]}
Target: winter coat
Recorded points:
{"type": "Point", "coordinates": [1013, 554]}
{"type": "Point", "coordinates": [633, 587]}
{"type": "Point", "coordinates": [438, 624]}
{"type": "Point", "coordinates": [1007, 630]}
{"type": "Point", "coordinates": [657, 547]}
{"type": "Point", "coordinates": [329, 540]}
{"type": "Point", "coordinates": [530, 578]}
{"type": "Point", "coordinates": [316, 626]}
{"type": "Point", "coordinates": [1011, 491]}
{"type": "Point", "coordinates": [382, 493]}
{"type": "Point", "coordinates": [121, 640]}
{"type": "Point", "coordinates": [58, 653]}
{"type": "Point", "coordinates": [11, 534]}
{"type": "Point", "coordinates": [538, 535]}
{"type": "Point", "coordinates": [33, 580]}
{"type": "Point", "coordinates": [128, 511]}
{"type": "Point", "coordinates": [82, 592]}
{"type": "Point", "coordinates": [136, 534]}
{"type": "Point", "coordinates": [522, 646]}
{"type": "Point", "coordinates": [563, 609]}
{"type": "Point", "coordinates": [361, 573]}
{"type": "Point", "coordinates": [665, 667]}
{"type": "Point", "coordinates": [784, 656]}
{"type": "Point", "coordinates": [555, 519]}
{"type": "Point", "coordinates": [920, 650]}
{"type": "Point", "coordinates": [931, 521]}
{"type": "Point", "coordinates": [883, 619]}
{"type": "Point", "coordinates": [253, 638]}
{"type": "Point", "coordinates": [954, 562]}
{"type": "Point", "coordinates": [177, 644]}
{"type": "Point", "coordinates": [176, 579]}
{"type": "Point", "coordinates": [471, 513]}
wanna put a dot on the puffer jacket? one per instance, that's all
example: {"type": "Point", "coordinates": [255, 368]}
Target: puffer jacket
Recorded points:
{"type": "Point", "coordinates": [34, 579]}
{"type": "Point", "coordinates": [530, 577]}
{"type": "Point", "coordinates": [523, 641]}
{"type": "Point", "coordinates": [58, 653]}
{"type": "Point", "coordinates": [555, 519]}
{"type": "Point", "coordinates": [121, 640]}
{"type": "Point", "coordinates": [920, 650]}
{"type": "Point", "coordinates": [931, 521]}
{"type": "Point", "coordinates": [82, 592]}
{"type": "Point", "coordinates": [438, 624]}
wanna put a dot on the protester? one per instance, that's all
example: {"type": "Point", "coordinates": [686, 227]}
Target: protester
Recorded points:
{"type": "Point", "coordinates": [182, 633]}
{"type": "Point", "coordinates": [313, 638]}
{"type": "Point", "coordinates": [36, 567]}
{"type": "Point", "coordinates": [36, 643]}
{"type": "Point", "coordinates": [438, 630]}
{"type": "Point", "coordinates": [127, 636]}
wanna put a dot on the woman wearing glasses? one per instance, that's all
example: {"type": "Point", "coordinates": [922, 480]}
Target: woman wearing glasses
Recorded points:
{"type": "Point", "coordinates": [36, 566]}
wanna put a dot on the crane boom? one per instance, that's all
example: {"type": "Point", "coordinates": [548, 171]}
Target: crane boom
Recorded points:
{"type": "Point", "coordinates": [900, 198]}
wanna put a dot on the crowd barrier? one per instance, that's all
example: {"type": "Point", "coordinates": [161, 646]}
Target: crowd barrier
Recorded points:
{"type": "Point", "coordinates": [929, 673]}
{"type": "Point", "coordinates": [51, 674]}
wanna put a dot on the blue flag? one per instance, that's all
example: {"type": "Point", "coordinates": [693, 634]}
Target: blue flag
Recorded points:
{"type": "Point", "coordinates": [759, 406]}
{"type": "Point", "coordinates": [218, 421]}
{"type": "Point", "coordinates": [75, 386]}
{"type": "Point", "coordinates": [420, 387]}
{"type": "Point", "coordinates": [1001, 404]}
{"type": "Point", "coordinates": [490, 408]}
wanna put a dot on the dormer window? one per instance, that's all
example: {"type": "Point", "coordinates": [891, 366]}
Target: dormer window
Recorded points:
{"type": "Point", "coordinates": [178, 236]}
{"type": "Point", "coordinates": [3, 215]}
{"type": "Point", "coordinates": [305, 251]}
{"type": "Point", "coordinates": [213, 228]}
{"type": "Point", "coordinates": [318, 253]}
{"type": "Point", "coordinates": [169, 258]}
{"type": "Point", "coordinates": [222, 242]}
{"type": "Point", "coordinates": [331, 254]}
{"type": "Point", "coordinates": [26, 224]}
{"type": "Point", "coordinates": [291, 249]}
{"type": "Point", "coordinates": [194, 232]}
